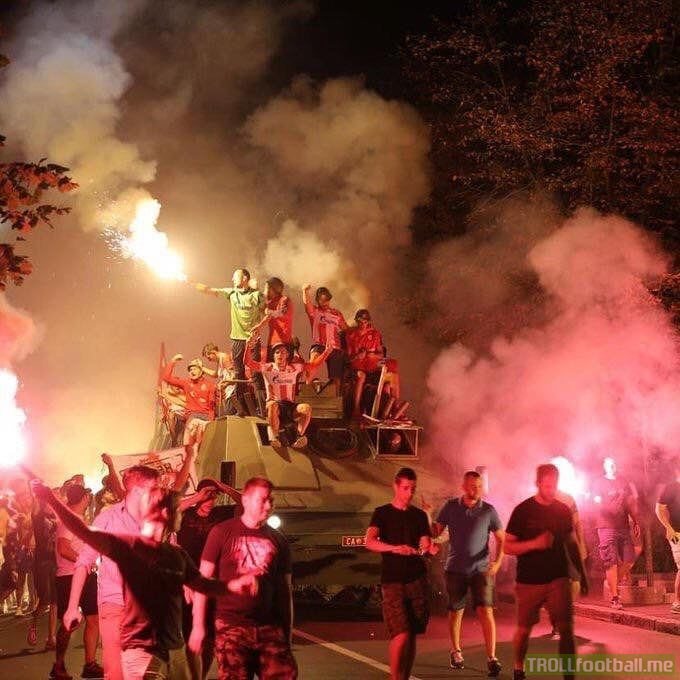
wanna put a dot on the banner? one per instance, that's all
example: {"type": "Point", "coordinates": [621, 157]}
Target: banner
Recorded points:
{"type": "Point", "coordinates": [168, 463]}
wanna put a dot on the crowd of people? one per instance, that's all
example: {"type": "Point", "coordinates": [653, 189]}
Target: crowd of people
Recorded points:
{"type": "Point", "coordinates": [260, 373]}
{"type": "Point", "coordinates": [544, 532]}
{"type": "Point", "coordinates": [169, 582]}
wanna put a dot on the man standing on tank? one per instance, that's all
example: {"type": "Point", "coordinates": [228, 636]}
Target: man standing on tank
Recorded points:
{"type": "Point", "coordinates": [247, 306]}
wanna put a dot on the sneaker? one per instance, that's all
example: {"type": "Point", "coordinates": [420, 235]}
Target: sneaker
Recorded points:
{"type": "Point", "coordinates": [675, 608]}
{"type": "Point", "coordinates": [518, 675]}
{"type": "Point", "coordinates": [554, 634]}
{"type": "Point", "coordinates": [59, 673]}
{"type": "Point", "coordinates": [456, 659]}
{"type": "Point", "coordinates": [493, 667]}
{"type": "Point", "coordinates": [92, 670]}
{"type": "Point", "coordinates": [616, 603]}
{"type": "Point", "coordinates": [32, 637]}
{"type": "Point", "coordinates": [300, 442]}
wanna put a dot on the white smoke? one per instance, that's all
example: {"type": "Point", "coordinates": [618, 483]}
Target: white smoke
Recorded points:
{"type": "Point", "coordinates": [357, 165]}
{"type": "Point", "coordinates": [61, 99]}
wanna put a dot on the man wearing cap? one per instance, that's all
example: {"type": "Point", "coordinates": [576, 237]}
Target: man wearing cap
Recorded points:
{"type": "Point", "coordinates": [199, 516]}
{"type": "Point", "coordinates": [327, 324]}
{"type": "Point", "coordinates": [281, 381]}
{"type": "Point", "coordinates": [200, 394]}
{"type": "Point", "coordinates": [68, 547]}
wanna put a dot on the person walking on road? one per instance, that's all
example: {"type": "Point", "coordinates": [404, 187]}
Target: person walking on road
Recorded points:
{"type": "Point", "coordinates": [470, 520]}
{"type": "Point", "coordinates": [401, 533]}
{"type": "Point", "coordinates": [541, 534]}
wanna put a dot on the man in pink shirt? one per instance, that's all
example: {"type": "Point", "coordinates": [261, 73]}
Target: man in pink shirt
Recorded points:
{"type": "Point", "coordinates": [122, 518]}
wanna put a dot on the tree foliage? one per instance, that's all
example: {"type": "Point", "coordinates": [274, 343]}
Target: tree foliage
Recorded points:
{"type": "Point", "coordinates": [22, 208]}
{"type": "Point", "coordinates": [578, 98]}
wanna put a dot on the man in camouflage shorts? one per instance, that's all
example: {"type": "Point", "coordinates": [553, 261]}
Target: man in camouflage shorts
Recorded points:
{"type": "Point", "coordinates": [401, 532]}
{"type": "Point", "coordinates": [254, 620]}
{"type": "Point", "coordinates": [242, 651]}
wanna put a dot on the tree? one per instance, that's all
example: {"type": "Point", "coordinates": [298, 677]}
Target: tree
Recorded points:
{"type": "Point", "coordinates": [22, 185]}
{"type": "Point", "coordinates": [577, 98]}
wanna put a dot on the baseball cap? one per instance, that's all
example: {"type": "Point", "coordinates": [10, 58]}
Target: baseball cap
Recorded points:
{"type": "Point", "coordinates": [75, 493]}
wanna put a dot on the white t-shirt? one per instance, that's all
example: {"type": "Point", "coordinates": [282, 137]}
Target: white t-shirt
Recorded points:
{"type": "Point", "coordinates": [66, 567]}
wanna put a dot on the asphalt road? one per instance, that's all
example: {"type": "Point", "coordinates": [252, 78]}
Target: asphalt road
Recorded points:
{"type": "Point", "coordinates": [342, 648]}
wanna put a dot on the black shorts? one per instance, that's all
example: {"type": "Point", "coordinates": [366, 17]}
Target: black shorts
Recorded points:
{"type": "Point", "coordinates": [45, 574]}
{"type": "Point", "coordinates": [480, 586]}
{"type": "Point", "coordinates": [88, 598]}
{"type": "Point", "coordinates": [335, 362]}
{"type": "Point", "coordinates": [286, 410]}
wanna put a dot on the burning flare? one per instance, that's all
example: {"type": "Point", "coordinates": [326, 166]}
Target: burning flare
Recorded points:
{"type": "Point", "coordinates": [571, 481]}
{"type": "Point", "coordinates": [12, 419]}
{"type": "Point", "coordinates": [148, 244]}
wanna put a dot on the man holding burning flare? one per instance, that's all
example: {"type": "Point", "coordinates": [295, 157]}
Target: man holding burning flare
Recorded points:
{"type": "Point", "coordinates": [247, 308]}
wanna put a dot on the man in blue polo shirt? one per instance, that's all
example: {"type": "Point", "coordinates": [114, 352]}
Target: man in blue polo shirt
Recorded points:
{"type": "Point", "coordinates": [469, 521]}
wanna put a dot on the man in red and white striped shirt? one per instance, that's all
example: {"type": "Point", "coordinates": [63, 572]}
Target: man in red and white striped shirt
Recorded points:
{"type": "Point", "coordinates": [327, 324]}
{"type": "Point", "coordinates": [281, 380]}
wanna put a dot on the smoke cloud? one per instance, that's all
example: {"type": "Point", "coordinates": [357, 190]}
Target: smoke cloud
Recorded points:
{"type": "Point", "coordinates": [596, 374]}
{"type": "Point", "coordinates": [18, 333]}
{"type": "Point", "coordinates": [61, 99]}
{"type": "Point", "coordinates": [357, 166]}
{"type": "Point", "coordinates": [316, 185]}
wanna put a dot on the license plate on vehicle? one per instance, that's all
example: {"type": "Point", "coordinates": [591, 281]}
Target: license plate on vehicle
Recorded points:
{"type": "Point", "coordinates": [353, 541]}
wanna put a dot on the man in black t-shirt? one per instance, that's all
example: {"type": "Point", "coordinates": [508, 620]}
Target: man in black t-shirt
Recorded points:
{"type": "Point", "coordinates": [541, 534]}
{"type": "Point", "coordinates": [401, 533]}
{"type": "Point", "coordinates": [668, 512]}
{"type": "Point", "coordinates": [254, 618]}
{"type": "Point", "coordinates": [153, 575]}
{"type": "Point", "coordinates": [199, 516]}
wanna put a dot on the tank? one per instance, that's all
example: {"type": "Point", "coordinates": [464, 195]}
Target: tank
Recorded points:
{"type": "Point", "coordinates": [326, 493]}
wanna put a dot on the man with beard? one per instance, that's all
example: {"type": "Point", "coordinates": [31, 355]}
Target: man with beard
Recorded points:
{"type": "Point", "coordinates": [254, 620]}
{"type": "Point", "coordinates": [401, 533]}
{"type": "Point", "coordinates": [469, 521]}
{"type": "Point", "coordinates": [199, 516]}
{"type": "Point", "coordinates": [541, 534]}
